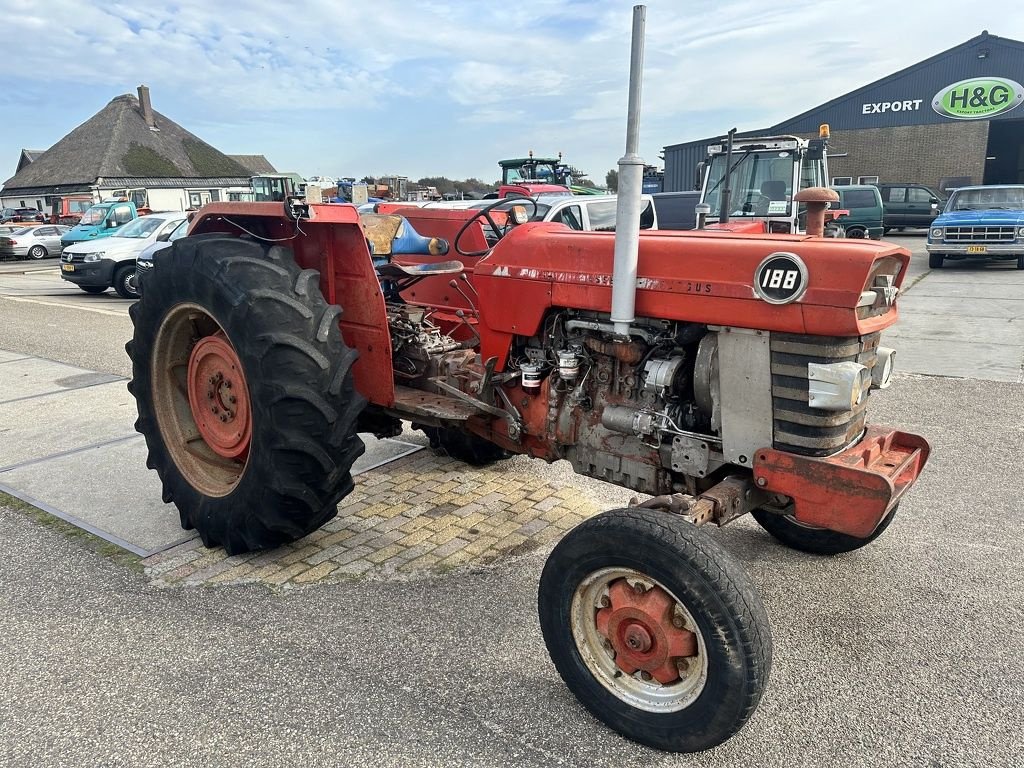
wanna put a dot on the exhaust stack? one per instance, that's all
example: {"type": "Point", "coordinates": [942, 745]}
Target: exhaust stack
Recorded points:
{"type": "Point", "coordinates": [631, 177]}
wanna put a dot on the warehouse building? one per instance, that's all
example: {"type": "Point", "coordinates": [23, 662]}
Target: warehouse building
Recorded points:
{"type": "Point", "coordinates": [953, 119]}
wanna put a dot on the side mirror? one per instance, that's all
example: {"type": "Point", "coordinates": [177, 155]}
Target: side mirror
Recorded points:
{"type": "Point", "coordinates": [934, 200]}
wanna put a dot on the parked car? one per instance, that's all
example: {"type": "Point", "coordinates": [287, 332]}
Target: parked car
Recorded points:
{"type": "Point", "coordinates": [588, 213]}
{"type": "Point", "coordinates": [21, 214]}
{"type": "Point", "coordinates": [909, 205]}
{"type": "Point", "coordinates": [97, 265]}
{"type": "Point", "coordinates": [36, 242]}
{"type": "Point", "coordinates": [864, 203]}
{"type": "Point", "coordinates": [144, 261]}
{"type": "Point", "coordinates": [985, 222]}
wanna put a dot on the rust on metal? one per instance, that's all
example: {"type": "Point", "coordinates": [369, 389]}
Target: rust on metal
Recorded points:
{"type": "Point", "coordinates": [852, 491]}
{"type": "Point", "coordinates": [817, 200]}
{"type": "Point", "coordinates": [640, 626]}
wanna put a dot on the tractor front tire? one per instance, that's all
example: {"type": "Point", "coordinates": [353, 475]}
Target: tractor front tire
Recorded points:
{"type": "Point", "coordinates": [464, 446]}
{"type": "Point", "coordinates": [656, 629]}
{"type": "Point", "coordinates": [816, 541]}
{"type": "Point", "coordinates": [244, 391]}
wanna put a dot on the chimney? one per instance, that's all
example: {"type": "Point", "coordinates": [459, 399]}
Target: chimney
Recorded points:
{"type": "Point", "coordinates": [146, 106]}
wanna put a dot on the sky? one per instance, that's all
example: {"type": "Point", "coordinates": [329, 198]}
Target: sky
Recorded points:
{"type": "Point", "coordinates": [449, 87]}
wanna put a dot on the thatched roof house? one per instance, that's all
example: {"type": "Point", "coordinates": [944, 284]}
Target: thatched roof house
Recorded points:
{"type": "Point", "coordinates": [128, 145]}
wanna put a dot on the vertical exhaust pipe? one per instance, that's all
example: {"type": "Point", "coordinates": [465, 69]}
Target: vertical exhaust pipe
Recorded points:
{"type": "Point", "coordinates": [631, 178]}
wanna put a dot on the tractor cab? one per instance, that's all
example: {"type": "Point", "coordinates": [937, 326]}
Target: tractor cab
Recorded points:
{"type": "Point", "coordinates": [528, 176]}
{"type": "Point", "coordinates": [751, 186]}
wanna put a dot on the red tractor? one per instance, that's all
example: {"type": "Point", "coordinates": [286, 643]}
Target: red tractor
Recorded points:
{"type": "Point", "coordinates": [725, 374]}
{"type": "Point", "coordinates": [267, 339]}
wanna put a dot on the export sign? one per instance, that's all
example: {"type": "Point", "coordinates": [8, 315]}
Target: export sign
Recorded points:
{"type": "Point", "coordinates": [978, 98]}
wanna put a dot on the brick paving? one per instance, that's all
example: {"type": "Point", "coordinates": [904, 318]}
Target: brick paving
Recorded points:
{"type": "Point", "coordinates": [419, 515]}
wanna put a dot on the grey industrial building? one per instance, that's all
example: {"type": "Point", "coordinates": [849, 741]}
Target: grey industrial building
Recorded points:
{"type": "Point", "coordinates": [955, 118]}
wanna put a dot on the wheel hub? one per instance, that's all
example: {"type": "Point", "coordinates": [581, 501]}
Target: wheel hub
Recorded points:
{"type": "Point", "coordinates": [218, 396]}
{"type": "Point", "coordinates": [642, 628]}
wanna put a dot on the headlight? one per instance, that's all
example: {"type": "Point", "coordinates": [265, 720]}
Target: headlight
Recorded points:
{"type": "Point", "coordinates": [936, 233]}
{"type": "Point", "coordinates": [881, 374]}
{"type": "Point", "coordinates": [837, 386]}
{"type": "Point", "coordinates": [1020, 232]}
{"type": "Point", "coordinates": [89, 257]}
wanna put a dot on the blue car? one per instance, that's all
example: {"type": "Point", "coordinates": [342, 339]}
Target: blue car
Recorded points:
{"type": "Point", "coordinates": [979, 223]}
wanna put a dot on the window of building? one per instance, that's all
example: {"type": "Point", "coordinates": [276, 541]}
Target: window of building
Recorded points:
{"type": "Point", "coordinates": [867, 179]}
{"type": "Point", "coordinates": [839, 181]}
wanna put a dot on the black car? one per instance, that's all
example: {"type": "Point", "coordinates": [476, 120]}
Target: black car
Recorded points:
{"type": "Point", "coordinates": [21, 214]}
{"type": "Point", "coordinates": [908, 204]}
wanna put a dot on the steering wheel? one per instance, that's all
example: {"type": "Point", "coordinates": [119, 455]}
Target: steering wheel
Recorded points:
{"type": "Point", "coordinates": [485, 213]}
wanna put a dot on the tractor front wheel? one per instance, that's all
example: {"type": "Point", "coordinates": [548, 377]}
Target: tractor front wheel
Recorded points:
{"type": "Point", "coordinates": [244, 392]}
{"type": "Point", "coordinates": [816, 541]}
{"type": "Point", "coordinates": [655, 629]}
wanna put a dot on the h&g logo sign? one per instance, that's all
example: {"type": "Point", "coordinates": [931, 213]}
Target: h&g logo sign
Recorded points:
{"type": "Point", "coordinates": [978, 98]}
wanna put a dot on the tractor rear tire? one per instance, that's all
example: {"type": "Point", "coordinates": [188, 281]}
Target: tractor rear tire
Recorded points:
{"type": "Point", "coordinates": [465, 446]}
{"type": "Point", "coordinates": [656, 629]}
{"type": "Point", "coordinates": [816, 541]}
{"type": "Point", "coordinates": [230, 327]}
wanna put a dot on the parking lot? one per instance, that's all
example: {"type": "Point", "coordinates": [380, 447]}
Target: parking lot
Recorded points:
{"type": "Point", "coordinates": [405, 631]}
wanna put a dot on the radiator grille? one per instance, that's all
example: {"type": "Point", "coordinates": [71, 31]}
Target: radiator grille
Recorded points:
{"type": "Point", "coordinates": [980, 234]}
{"type": "Point", "coordinates": [798, 427]}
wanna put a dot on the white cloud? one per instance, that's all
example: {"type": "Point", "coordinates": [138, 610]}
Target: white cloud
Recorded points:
{"type": "Point", "coordinates": [449, 87]}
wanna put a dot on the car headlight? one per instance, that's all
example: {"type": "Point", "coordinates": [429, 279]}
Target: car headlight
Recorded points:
{"type": "Point", "coordinates": [1020, 232]}
{"type": "Point", "coordinates": [90, 257]}
{"type": "Point", "coordinates": [936, 232]}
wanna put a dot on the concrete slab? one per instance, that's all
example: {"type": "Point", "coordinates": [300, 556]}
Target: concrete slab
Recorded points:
{"type": "Point", "coordinates": [962, 306]}
{"type": "Point", "coordinates": [107, 490]}
{"type": "Point", "coordinates": [937, 320]}
{"type": "Point", "coordinates": [38, 427]}
{"type": "Point", "coordinates": [963, 359]}
{"type": "Point", "coordinates": [35, 376]}
{"type": "Point", "coordinates": [6, 357]}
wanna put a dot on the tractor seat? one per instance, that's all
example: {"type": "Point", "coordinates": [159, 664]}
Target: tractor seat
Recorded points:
{"type": "Point", "coordinates": [392, 235]}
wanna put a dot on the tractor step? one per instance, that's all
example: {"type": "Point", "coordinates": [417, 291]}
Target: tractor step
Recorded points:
{"type": "Point", "coordinates": [416, 402]}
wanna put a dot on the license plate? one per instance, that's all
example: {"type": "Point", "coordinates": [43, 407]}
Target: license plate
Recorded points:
{"type": "Point", "coordinates": [976, 249]}
{"type": "Point", "coordinates": [68, 267]}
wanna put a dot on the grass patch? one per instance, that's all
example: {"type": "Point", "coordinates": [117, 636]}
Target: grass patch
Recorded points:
{"type": "Point", "coordinates": [88, 540]}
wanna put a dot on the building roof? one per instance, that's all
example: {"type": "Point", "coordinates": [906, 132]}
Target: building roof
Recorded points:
{"type": "Point", "coordinates": [118, 142]}
{"type": "Point", "coordinates": [28, 156]}
{"type": "Point", "coordinates": [257, 165]}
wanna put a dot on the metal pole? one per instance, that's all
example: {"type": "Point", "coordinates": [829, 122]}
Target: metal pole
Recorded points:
{"type": "Point", "coordinates": [631, 177]}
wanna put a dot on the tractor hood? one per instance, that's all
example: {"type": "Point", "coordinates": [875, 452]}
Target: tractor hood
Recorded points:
{"type": "Point", "coordinates": [783, 283]}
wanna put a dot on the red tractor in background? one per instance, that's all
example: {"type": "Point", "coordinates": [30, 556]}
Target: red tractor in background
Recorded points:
{"type": "Point", "coordinates": [730, 374]}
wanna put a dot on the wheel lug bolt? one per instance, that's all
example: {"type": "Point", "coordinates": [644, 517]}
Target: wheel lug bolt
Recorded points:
{"type": "Point", "coordinates": [639, 588]}
{"type": "Point", "coordinates": [682, 665]}
{"type": "Point", "coordinates": [231, 399]}
{"type": "Point", "coordinates": [646, 676]}
{"type": "Point", "coordinates": [228, 383]}
{"type": "Point", "coordinates": [215, 409]}
{"type": "Point", "coordinates": [605, 601]}
{"type": "Point", "coordinates": [678, 622]}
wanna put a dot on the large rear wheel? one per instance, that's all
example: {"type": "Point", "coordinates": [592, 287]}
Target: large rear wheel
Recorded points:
{"type": "Point", "coordinates": [244, 392]}
{"type": "Point", "coordinates": [655, 629]}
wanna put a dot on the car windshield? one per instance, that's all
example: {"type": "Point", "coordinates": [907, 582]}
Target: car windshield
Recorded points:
{"type": "Point", "coordinates": [95, 215]}
{"type": "Point", "coordinates": [991, 198]}
{"type": "Point", "coordinates": [141, 228]}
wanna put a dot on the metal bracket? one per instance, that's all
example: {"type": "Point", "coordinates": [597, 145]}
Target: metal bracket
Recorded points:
{"type": "Point", "coordinates": [720, 504]}
{"type": "Point", "coordinates": [514, 422]}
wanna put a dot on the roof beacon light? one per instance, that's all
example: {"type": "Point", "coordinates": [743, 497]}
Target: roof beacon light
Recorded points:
{"type": "Point", "coordinates": [823, 131]}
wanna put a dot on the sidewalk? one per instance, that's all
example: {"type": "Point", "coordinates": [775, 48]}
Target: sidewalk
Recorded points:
{"type": "Point", "coordinates": [68, 446]}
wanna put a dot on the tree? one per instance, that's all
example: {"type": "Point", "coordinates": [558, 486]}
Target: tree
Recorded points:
{"type": "Point", "coordinates": [611, 180]}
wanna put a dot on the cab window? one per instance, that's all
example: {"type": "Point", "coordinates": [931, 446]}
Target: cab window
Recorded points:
{"type": "Point", "coordinates": [121, 214]}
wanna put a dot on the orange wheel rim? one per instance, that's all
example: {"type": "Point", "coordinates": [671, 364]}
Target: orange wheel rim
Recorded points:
{"type": "Point", "coordinates": [219, 397]}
